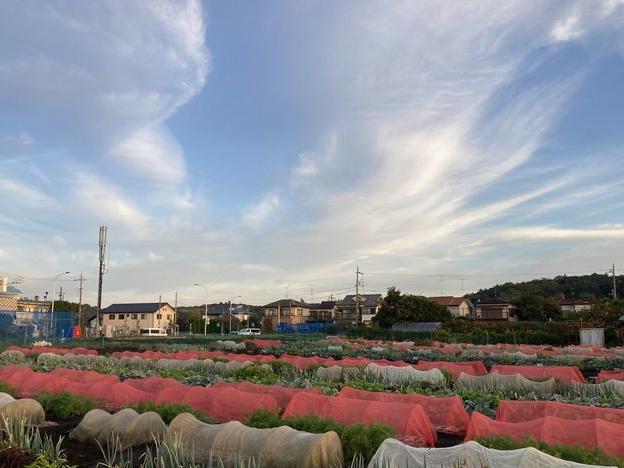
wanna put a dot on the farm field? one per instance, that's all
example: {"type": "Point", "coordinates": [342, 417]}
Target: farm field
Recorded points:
{"type": "Point", "coordinates": [339, 402]}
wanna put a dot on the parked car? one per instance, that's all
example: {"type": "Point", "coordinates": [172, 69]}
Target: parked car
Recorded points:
{"type": "Point", "coordinates": [250, 331]}
{"type": "Point", "coordinates": [152, 332]}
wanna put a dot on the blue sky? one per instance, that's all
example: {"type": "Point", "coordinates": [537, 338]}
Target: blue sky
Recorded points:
{"type": "Point", "coordinates": [262, 146]}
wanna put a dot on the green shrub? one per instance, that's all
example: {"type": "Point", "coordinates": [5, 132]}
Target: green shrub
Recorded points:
{"type": "Point", "coordinates": [256, 373]}
{"type": "Point", "coordinates": [6, 388]}
{"type": "Point", "coordinates": [64, 405]}
{"type": "Point", "coordinates": [168, 411]}
{"type": "Point", "coordinates": [283, 368]}
{"type": "Point", "coordinates": [356, 439]}
{"type": "Point", "coordinates": [575, 453]}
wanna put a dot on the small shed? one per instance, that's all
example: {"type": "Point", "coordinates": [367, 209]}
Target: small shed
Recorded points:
{"type": "Point", "coordinates": [592, 337]}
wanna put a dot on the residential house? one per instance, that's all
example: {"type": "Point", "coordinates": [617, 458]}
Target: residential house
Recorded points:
{"type": "Point", "coordinates": [572, 306]}
{"type": "Point", "coordinates": [369, 305]}
{"type": "Point", "coordinates": [494, 309]}
{"type": "Point", "coordinates": [323, 311]}
{"type": "Point", "coordinates": [129, 319]}
{"type": "Point", "coordinates": [287, 311]}
{"type": "Point", "coordinates": [457, 306]}
{"type": "Point", "coordinates": [33, 305]}
{"type": "Point", "coordinates": [8, 300]}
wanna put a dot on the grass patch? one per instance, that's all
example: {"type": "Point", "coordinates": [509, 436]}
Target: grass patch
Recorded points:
{"type": "Point", "coordinates": [575, 453]}
{"type": "Point", "coordinates": [64, 405]}
{"type": "Point", "coordinates": [356, 439]}
{"type": "Point", "coordinates": [168, 411]}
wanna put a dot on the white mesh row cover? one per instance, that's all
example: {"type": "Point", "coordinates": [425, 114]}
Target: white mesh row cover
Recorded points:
{"type": "Point", "coordinates": [129, 426]}
{"type": "Point", "coordinates": [405, 375]}
{"type": "Point", "coordinates": [393, 454]}
{"type": "Point", "coordinates": [184, 363]}
{"type": "Point", "coordinates": [12, 355]}
{"type": "Point", "coordinates": [280, 447]}
{"type": "Point", "coordinates": [25, 409]}
{"type": "Point", "coordinates": [231, 345]}
{"type": "Point", "coordinates": [608, 387]}
{"type": "Point", "coordinates": [517, 356]}
{"type": "Point", "coordinates": [336, 373]}
{"type": "Point", "coordinates": [515, 382]}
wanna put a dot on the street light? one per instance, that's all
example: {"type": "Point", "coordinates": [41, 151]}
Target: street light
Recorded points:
{"type": "Point", "coordinates": [54, 294]}
{"type": "Point", "coordinates": [230, 310]}
{"type": "Point", "coordinates": [206, 307]}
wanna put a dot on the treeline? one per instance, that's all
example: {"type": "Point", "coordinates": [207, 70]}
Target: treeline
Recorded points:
{"type": "Point", "coordinates": [592, 287]}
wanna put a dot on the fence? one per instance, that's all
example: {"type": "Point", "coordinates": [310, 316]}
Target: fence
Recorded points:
{"type": "Point", "coordinates": [305, 328]}
{"type": "Point", "coordinates": [27, 326]}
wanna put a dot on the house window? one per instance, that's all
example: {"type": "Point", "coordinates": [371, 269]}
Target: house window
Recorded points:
{"type": "Point", "coordinates": [111, 317]}
{"type": "Point", "coordinates": [299, 311]}
{"type": "Point", "coordinates": [158, 316]}
{"type": "Point", "coordinates": [121, 316]}
{"type": "Point", "coordinates": [143, 316]}
{"type": "Point", "coordinates": [134, 316]}
{"type": "Point", "coordinates": [169, 317]}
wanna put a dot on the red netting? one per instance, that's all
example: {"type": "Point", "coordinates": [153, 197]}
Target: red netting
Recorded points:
{"type": "Point", "coordinates": [447, 414]}
{"type": "Point", "coordinates": [567, 374]}
{"type": "Point", "coordinates": [517, 411]}
{"type": "Point", "coordinates": [283, 395]}
{"type": "Point", "coordinates": [221, 404]}
{"type": "Point", "coordinates": [615, 374]}
{"type": "Point", "coordinates": [84, 376]}
{"type": "Point", "coordinates": [410, 421]}
{"type": "Point", "coordinates": [590, 433]}
{"type": "Point", "coordinates": [454, 368]}
{"type": "Point", "coordinates": [301, 362]}
{"type": "Point", "coordinates": [153, 385]}
{"type": "Point", "coordinates": [260, 343]}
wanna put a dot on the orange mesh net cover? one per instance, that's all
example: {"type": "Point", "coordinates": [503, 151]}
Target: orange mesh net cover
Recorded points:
{"type": "Point", "coordinates": [518, 411]}
{"type": "Point", "coordinates": [590, 433]}
{"type": "Point", "coordinates": [410, 421]}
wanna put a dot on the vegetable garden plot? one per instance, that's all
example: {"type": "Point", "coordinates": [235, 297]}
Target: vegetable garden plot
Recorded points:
{"type": "Point", "coordinates": [447, 414]}
{"type": "Point", "coordinates": [130, 427]}
{"type": "Point", "coordinates": [454, 368]}
{"type": "Point", "coordinates": [283, 395]}
{"type": "Point", "coordinates": [518, 411]}
{"type": "Point", "coordinates": [470, 454]}
{"type": "Point", "coordinates": [408, 420]}
{"type": "Point", "coordinates": [234, 443]}
{"type": "Point", "coordinates": [590, 433]}
{"type": "Point", "coordinates": [153, 385]}
{"type": "Point", "coordinates": [565, 374]}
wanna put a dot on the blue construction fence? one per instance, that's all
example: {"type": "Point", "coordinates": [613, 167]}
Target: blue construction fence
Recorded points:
{"type": "Point", "coordinates": [29, 326]}
{"type": "Point", "coordinates": [304, 328]}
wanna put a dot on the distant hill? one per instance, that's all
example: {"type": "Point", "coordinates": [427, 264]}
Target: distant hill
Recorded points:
{"type": "Point", "coordinates": [590, 287]}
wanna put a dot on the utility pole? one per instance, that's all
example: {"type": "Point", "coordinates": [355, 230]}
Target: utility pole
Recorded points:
{"type": "Point", "coordinates": [462, 287]}
{"type": "Point", "coordinates": [102, 243]}
{"type": "Point", "coordinates": [614, 283]}
{"type": "Point", "coordinates": [175, 312]}
{"type": "Point", "coordinates": [441, 280]}
{"type": "Point", "coordinates": [80, 320]}
{"type": "Point", "coordinates": [357, 295]}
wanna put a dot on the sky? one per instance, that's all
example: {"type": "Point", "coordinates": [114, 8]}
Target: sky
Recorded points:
{"type": "Point", "coordinates": [268, 149]}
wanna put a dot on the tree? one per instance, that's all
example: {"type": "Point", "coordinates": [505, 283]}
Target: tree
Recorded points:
{"type": "Point", "coordinates": [606, 312]}
{"type": "Point", "coordinates": [397, 307]}
{"type": "Point", "coordinates": [535, 307]}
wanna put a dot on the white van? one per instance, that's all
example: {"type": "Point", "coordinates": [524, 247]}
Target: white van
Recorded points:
{"type": "Point", "coordinates": [250, 331]}
{"type": "Point", "coordinates": [152, 332]}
